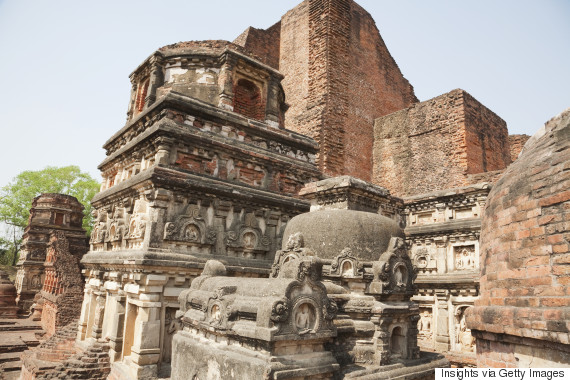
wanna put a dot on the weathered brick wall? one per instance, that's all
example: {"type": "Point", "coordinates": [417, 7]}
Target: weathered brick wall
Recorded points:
{"type": "Point", "coordinates": [376, 88]}
{"type": "Point", "coordinates": [339, 77]}
{"type": "Point", "coordinates": [495, 354]}
{"type": "Point", "coordinates": [517, 143]}
{"type": "Point", "coordinates": [525, 251]}
{"type": "Point", "coordinates": [486, 138]}
{"type": "Point", "coordinates": [294, 65]}
{"type": "Point", "coordinates": [49, 318]}
{"type": "Point", "coordinates": [438, 144]}
{"type": "Point", "coordinates": [248, 100]}
{"type": "Point", "coordinates": [262, 43]}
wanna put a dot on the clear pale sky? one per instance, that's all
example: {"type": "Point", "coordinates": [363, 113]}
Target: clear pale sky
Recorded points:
{"type": "Point", "coordinates": [64, 64]}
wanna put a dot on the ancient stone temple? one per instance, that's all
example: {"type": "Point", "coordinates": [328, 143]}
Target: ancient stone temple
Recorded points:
{"type": "Point", "coordinates": [226, 142]}
{"type": "Point", "coordinates": [443, 230]}
{"type": "Point", "coordinates": [49, 213]}
{"type": "Point", "coordinates": [203, 169]}
{"type": "Point", "coordinates": [524, 309]}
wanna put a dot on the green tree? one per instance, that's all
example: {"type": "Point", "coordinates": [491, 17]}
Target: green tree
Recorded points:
{"type": "Point", "coordinates": [16, 197]}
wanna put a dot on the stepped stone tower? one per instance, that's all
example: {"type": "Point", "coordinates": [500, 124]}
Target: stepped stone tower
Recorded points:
{"type": "Point", "coordinates": [203, 169]}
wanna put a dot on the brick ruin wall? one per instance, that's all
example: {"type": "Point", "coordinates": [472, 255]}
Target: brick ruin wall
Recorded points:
{"type": "Point", "coordinates": [339, 77]}
{"type": "Point", "coordinates": [262, 43]}
{"type": "Point", "coordinates": [438, 144]}
{"type": "Point", "coordinates": [376, 88]}
{"type": "Point", "coordinates": [294, 65]}
{"type": "Point", "coordinates": [486, 138]}
{"type": "Point", "coordinates": [517, 143]}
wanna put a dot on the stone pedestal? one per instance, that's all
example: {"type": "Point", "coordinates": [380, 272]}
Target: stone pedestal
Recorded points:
{"type": "Point", "coordinates": [237, 328]}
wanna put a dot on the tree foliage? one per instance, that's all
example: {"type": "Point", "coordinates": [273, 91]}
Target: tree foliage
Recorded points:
{"type": "Point", "coordinates": [16, 197]}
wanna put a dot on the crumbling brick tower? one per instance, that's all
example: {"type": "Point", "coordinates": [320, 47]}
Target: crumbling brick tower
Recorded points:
{"type": "Point", "coordinates": [62, 290]}
{"type": "Point", "coordinates": [49, 213]}
{"type": "Point", "coordinates": [339, 77]}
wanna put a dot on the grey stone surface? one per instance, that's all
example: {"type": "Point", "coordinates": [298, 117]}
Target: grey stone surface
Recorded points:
{"type": "Point", "coordinates": [243, 328]}
{"type": "Point", "coordinates": [328, 232]}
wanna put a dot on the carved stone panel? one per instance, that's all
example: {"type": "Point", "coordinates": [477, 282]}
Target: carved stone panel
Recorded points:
{"type": "Point", "coordinates": [425, 327]}
{"type": "Point", "coordinates": [189, 229]}
{"type": "Point", "coordinates": [464, 341]}
{"type": "Point", "coordinates": [464, 257]}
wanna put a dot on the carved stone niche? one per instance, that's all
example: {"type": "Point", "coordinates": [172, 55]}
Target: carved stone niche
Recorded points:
{"type": "Point", "coordinates": [137, 225]}
{"type": "Point", "coordinates": [398, 342]}
{"type": "Point", "coordinates": [393, 272]}
{"type": "Point", "coordinates": [425, 324]}
{"type": "Point", "coordinates": [464, 341]}
{"type": "Point", "coordinates": [117, 227]}
{"type": "Point", "coordinates": [346, 265]}
{"type": "Point", "coordinates": [294, 249]}
{"type": "Point", "coordinates": [190, 229]}
{"type": "Point", "coordinates": [274, 327]}
{"type": "Point", "coordinates": [99, 232]}
{"type": "Point", "coordinates": [424, 262]}
{"type": "Point", "coordinates": [245, 238]}
{"type": "Point", "coordinates": [465, 257]}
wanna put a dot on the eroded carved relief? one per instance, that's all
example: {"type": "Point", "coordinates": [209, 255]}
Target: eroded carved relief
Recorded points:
{"type": "Point", "coordinates": [137, 224]}
{"type": "Point", "coordinates": [294, 249]}
{"type": "Point", "coordinates": [393, 272]}
{"type": "Point", "coordinates": [425, 325]}
{"type": "Point", "coordinates": [36, 282]}
{"type": "Point", "coordinates": [304, 308]}
{"type": "Point", "coordinates": [247, 236]}
{"type": "Point", "coordinates": [464, 341]}
{"type": "Point", "coordinates": [424, 261]}
{"type": "Point", "coordinates": [465, 257]}
{"type": "Point", "coordinates": [346, 265]}
{"type": "Point", "coordinates": [190, 227]}
{"type": "Point", "coordinates": [305, 317]}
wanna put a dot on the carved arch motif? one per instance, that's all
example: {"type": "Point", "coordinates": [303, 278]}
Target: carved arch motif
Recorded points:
{"type": "Point", "coordinates": [190, 227]}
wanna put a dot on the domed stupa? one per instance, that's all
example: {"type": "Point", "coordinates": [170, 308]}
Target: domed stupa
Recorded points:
{"type": "Point", "coordinates": [355, 232]}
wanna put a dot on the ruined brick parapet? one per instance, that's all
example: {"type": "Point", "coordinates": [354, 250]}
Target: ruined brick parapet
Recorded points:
{"type": "Point", "coordinates": [438, 144]}
{"type": "Point", "coordinates": [262, 43]}
{"type": "Point", "coordinates": [525, 283]}
{"type": "Point", "coordinates": [516, 143]}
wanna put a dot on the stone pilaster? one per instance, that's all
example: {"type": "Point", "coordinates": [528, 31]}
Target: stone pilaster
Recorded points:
{"type": "Point", "coordinates": [155, 81]}
{"type": "Point", "coordinates": [442, 341]}
{"type": "Point", "coordinates": [226, 83]}
{"type": "Point", "coordinates": [100, 301]}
